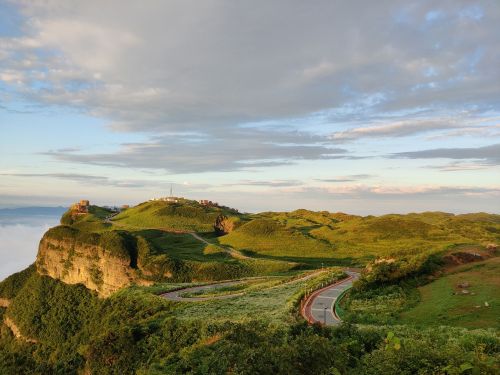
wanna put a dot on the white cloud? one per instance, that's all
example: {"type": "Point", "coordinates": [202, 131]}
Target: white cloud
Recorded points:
{"type": "Point", "coordinates": [19, 242]}
{"type": "Point", "coordinates": [179, 64]}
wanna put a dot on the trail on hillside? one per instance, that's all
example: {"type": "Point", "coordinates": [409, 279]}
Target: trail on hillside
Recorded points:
{"type": "Point", "coordinates": [234, 253]}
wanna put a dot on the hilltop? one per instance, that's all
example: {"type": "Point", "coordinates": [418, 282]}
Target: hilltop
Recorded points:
{"type": "Point", "coordinates": [181, 215]}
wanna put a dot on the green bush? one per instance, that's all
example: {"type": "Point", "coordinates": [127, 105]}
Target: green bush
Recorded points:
{"type": "Point", "coordinates": [15, 282]}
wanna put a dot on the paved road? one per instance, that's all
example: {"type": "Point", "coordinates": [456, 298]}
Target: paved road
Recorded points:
{"type": "Point", "coordinates": [319, 306]}
{"type": "Point", "coordinates": [176, 295]}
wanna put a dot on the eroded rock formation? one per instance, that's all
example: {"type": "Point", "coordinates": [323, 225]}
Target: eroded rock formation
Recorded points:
{"type": "Point", "coordinates": [63, 255]}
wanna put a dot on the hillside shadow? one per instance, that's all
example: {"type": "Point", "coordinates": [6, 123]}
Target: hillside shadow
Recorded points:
{"type": "Point", "coordinates": [313, 262]}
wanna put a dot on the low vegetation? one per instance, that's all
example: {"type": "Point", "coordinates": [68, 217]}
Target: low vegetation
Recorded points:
{"type": "Point", "coordinates": [135, 332]}
{"type": "Point", "coordinates": [466, 296]}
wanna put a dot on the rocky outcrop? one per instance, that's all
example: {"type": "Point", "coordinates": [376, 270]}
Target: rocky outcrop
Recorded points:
{"type": "Point", "coordinates": [224, 225]}
{"type": "Point", "coordinates": [103, 266]}
{"type": "Point", "coordinates": [4, 302]}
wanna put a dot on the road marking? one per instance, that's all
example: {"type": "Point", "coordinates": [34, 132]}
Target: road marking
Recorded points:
{"type": "Point", "coordinates": [329, 310]}
{"type": "Point", "coordinates": [327, 297]}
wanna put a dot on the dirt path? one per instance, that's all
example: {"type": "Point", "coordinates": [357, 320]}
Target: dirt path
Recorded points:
{"type": "Point", "coordinates": [234, 253]}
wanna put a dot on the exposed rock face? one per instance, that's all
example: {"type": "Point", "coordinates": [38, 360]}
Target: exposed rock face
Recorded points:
{"type": "Point", "coordinates": [73, 261]}
{"type": "Point", "coordinates": [224, 225]}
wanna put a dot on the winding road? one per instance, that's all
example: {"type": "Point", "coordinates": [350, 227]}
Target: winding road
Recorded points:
{"type": "Point", "coordinates": [319, 306]}
{"type": "Point", "coordinates": [176, 294]}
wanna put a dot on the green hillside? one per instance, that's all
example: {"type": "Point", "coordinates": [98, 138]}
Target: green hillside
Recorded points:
{"type": "Point", "coordinates": [405, 292]}
{"type": "Point", "coordinates": [443, 302]}
{"type": "Point", "coordinates": [345, 238]}
{"type": "Point", "coordinates": [71, 331]}
{"type": "Point", "coordinates": [185, 216]}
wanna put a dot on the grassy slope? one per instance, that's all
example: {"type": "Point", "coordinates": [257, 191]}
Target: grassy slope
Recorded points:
{"type": "Point", "coordinates": [439, 306]}
{"type": "Point", "coordinates": [346, 238]}
{"type": "Point", "coordinates": [267, 237]}
{"type": "Point", "coordinates": [183, 216]}
{"type": "Point", "coordinates": [180, 246]}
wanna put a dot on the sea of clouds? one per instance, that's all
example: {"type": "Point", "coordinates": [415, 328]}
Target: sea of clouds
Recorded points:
{"type": "Point", "coordinates": [19, 238]}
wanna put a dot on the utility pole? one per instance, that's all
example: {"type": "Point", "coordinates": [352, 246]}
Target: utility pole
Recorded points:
{"type": "Point", "coordinates": [171, 191]}
{"type": "Point", "coordinates": [324, 316]}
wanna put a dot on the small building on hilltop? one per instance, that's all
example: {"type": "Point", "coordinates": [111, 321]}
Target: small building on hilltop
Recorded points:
{"type": "Point", "coordinates": [206, 202]}
{"type": "Point", "coordinates": [81, 207]}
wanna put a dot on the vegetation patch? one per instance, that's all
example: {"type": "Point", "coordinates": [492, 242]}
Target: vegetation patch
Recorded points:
{"type": "Point", "coordinates": [474, 305]}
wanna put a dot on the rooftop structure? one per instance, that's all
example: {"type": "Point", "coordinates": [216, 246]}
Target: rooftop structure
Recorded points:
{"type": "Point", "coordinates": [206, 202]}
{"type": "Point", "coordinates": [81, 207]}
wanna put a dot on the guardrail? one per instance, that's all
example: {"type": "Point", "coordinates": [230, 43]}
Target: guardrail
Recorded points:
{"type": "Point", "coordinates": [338, 311]}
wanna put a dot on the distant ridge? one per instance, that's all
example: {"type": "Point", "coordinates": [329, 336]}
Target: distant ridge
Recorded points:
{"type": "Point", "coordinates": [38, 211]}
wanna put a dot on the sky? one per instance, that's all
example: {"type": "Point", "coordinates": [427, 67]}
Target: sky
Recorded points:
{"type": "Point", "coordinates": [357, 106]}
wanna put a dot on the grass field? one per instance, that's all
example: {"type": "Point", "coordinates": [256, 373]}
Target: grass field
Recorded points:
{"type": "Point", "coordinates": [439, 305]}
{"type": "Point", "coordinates": [181, 246]}
{"type": "Point", "coordinates": [268, 238]}
{"type": "Point", "coordinates": [269, 302]}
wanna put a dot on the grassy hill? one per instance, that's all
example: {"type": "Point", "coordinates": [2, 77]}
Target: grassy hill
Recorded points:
{"type": "Point", "coordinates": [184, 216]}
{"type": "Point", "coordinates": [342, 238]}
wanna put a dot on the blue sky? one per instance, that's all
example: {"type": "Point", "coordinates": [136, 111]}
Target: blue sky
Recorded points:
{"type": "Point", "coordinates": [353, 106]}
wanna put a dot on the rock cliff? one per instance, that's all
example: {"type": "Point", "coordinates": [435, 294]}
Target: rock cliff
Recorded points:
{"type": "Point", "coordinates": [101, 262]}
